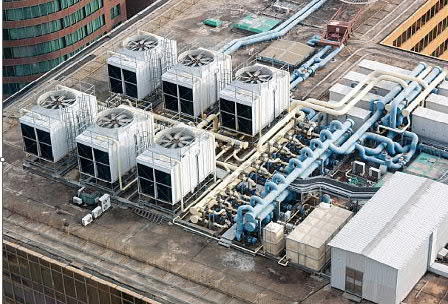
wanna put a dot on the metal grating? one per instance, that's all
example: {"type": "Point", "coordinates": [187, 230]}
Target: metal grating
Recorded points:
{"type": "Point", "coordinates": [425, 32]}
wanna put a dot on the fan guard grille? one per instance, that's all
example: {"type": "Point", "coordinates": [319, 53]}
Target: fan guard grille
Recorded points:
{"type": "Point", "coordinates": [197, 58]}
{"type": "Point", "coordinates": [255, 75]}
{"type": "Point", "coordinates": [141, 43]}
{"type": "Point", "coordinates": [57, 100]}
{"type": "Point", "coordinates": [176, 138]}
{"type": "Point", "coordinates": [116, 118]}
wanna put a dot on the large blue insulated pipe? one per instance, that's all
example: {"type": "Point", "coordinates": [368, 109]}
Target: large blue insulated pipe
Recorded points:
{"type": "Point", "coordinates": [315, 58]}
{"type": "Point", "coordinates": [279, 31]}
{"type": "Point", "coordinates": [275, 189]}
{"type": "Point", "coordinates": [406, 92]}
{"type": "Point", "coordinates": [349, 146]}
{"type": "Point", "coordinates": [312, 69]}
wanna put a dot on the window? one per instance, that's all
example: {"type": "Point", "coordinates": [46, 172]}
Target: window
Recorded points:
{"type": "Point", "coordinates": [54, 45]}
{"type": "Point", "coordinates": [115, 11]}
{"type": "Point", "coordinates": [236, 116]}
{"type": "Point", "coordinates": [353, 281]}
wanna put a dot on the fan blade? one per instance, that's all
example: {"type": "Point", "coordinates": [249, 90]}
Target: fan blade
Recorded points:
{"type": "Point", "coordinates": [185, 137]}
{"type": "Point", "coordinates": [164, 141]}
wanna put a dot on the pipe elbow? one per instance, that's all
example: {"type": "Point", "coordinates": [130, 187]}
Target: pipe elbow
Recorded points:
{"type": "Point", "coordinates": [254, 200]}
{"type": "Point", "coordinates": [306, 152]}
{"type": "Point", "coordinates": [335, 125]}
{"type": "Point", "coordinates": [325, 135]}
{"type": "Point", "coordinates": [294, 163]}
{"type": "Point", "coordinates": [315, 143]}
{"type": "Point", "coordinates": [270, 186]}
{"type": "Point", "coordinates": [278, 179]}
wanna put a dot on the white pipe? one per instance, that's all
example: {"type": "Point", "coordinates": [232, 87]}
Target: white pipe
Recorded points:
{"type": "Point", "coordinates": [421, 98]}
{"type": "Point", "coordinates": [328, 107]}
{"type": "Point", "coordinates": [284, 121]}
{"type": "Point", "coordinates": [422, 75]}
{"type": "Point", "coordinates": [375, 76]}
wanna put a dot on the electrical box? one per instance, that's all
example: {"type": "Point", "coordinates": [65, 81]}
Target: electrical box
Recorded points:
{"type": "Point", "coordinates": [97, 212]}
{"type": "Point", "coordinates": [358, 168]}
{"type": "Point", "coordinates": [375, 173]}
{"type": "Point", "coordinates": [104, 201]}
{"type": "Point", "coordinates": [86, 220]}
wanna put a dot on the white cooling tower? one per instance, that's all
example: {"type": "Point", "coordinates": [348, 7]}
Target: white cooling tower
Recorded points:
{"type": "Point", "coordinates": [107, 149]}
{"type": "Point", "coordinates": [192, 85]}
{"type": "Point", "coordinates": [136, 69]}
{"type": "Point", "coordinates": [179, 160]}
{"type": "Point", "coordinates": [50, 128]}
{"type": "Point", "coordinates": [254, 99]}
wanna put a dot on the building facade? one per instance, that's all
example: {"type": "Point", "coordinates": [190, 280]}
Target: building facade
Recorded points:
{"type": "Point", "coordinates": [39, 35]}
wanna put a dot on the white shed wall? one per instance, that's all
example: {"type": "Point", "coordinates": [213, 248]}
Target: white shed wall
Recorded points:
{"type": "Point", "coordinates": [410, 274]}
{"type": "Point", "coordinates": [379, 280]}
{"type": "Point", "coordinates": [442, 235]}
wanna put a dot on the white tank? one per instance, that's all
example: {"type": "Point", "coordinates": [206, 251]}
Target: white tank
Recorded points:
{"type": "Point", "coordinates": [192, 85]}
{"type": "Point", "coordinates": [108, 149]}
{"type": "Point", "coordinates": [257, 96]}
{"type": "Point", "coordinates": [50, 128]}
{"type": "Point", "coordinates": [136, 69]}
{"type": "Point", "coordinates": [179, 160]}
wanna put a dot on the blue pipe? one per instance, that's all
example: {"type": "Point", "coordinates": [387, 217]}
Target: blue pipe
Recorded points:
{"type": "Point", "coordinates": [399, 160]}
{"type": "Point", "coordinates": [316, 39]}
{"type": "Point", "coordinates": [306, 73]}
{"type": "Point", "coordinates": [310, 113]}
{"type": "Point", "coordinates": [406, 92]}
{"type": "Point", "coordinates": [315, 58]}
{"type": "Point", "coordinates": [279, 31]}
{"type": "Point", "coordinates": [276, 192]}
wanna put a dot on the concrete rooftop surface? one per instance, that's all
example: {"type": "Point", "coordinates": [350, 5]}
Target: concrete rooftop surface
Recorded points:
{"type": "Point", "coordinates": [163, 260]}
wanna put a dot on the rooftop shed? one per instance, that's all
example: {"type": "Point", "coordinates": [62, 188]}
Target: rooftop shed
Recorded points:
{"type": "Point", "coordinates": [390, 243]}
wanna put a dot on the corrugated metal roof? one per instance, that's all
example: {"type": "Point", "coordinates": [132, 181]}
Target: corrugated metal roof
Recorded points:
{"type": "Point", "coordinates": [396, 221]}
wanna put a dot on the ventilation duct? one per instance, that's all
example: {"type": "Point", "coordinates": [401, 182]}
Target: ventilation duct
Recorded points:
{"type": "Point", "coordinates": [50, 128]}
{"type": "Point", "coordinates": [192, 85]}
{"type": "Point", "coordinates": [257, 96]}
{"type": "Point", "coordinates": [136, 69]}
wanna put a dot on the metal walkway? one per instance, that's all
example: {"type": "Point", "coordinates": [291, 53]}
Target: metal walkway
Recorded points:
{"type": "Point", "coordinates": [334, 187]}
